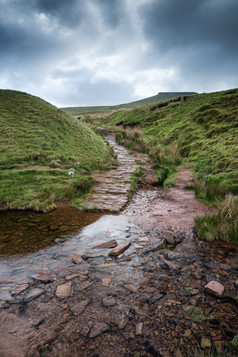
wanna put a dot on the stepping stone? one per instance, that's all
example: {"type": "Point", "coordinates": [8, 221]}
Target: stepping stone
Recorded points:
{"type": "Point", "coordinates": [119, 249]}
{"type": "Point", "coordinates": [111, 244]}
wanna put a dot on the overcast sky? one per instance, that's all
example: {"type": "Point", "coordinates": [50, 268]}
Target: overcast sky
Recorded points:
{"type": "Point", "coordinates": [96, 52]}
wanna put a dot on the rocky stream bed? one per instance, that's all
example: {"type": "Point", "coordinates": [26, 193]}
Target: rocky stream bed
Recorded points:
{"type": "Point", "coordinates": [131, 284]}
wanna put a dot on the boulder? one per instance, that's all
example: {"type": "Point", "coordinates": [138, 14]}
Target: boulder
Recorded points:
{"type": "Point", "coordinates": [170, 237]}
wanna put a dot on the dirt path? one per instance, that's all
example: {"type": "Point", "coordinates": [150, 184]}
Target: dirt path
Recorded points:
{"type": "Point", "coordinates": [144, 302]}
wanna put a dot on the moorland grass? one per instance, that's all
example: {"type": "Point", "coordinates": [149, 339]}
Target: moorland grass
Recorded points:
{"type": "Point", "coordinates": [36, 136]}
{"type": "Point", "coordinates": [201, 130]}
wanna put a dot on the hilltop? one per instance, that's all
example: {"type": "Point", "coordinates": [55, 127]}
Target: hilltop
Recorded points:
{"type": "Point", "coordinates": [161, 96]}
{"type": "Point", "coordinates": [39, 144]}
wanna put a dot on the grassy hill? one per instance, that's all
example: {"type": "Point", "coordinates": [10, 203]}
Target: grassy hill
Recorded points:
{"type": "Point", "coordinates": [108, 109]}
{"type": "Point", "coordinates": [201, 131]}
{"type": "Point", "coordinates": [38, 145]}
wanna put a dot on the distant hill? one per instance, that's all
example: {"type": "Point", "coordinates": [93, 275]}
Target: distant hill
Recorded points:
{"type": "Point", "coordinates": [160, 97]}
{"type": "Point", "coordinates": [38, 145]}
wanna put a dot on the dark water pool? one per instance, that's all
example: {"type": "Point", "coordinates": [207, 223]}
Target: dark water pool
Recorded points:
{"type": "Point", "coordinates": [27, 232]}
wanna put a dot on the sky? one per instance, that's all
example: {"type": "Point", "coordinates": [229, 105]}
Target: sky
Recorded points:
{"type": "Point", "coordinates": [106, 52]}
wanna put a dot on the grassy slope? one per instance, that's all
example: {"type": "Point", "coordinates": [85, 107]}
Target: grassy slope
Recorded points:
{"type": "Point", "coordinates": [203, 129]}
{"type": "Point", "coordinates": [108, 109]}
{"type": "Point", "coordinates": [33, 133]}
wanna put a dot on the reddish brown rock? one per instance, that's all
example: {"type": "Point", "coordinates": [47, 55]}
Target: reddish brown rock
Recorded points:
{"type": "Point", "coordinates": [98, 329]}
{"type": "Point", "coordinates": [214, 288]}
{"type": "Point", "coordinates": [106, 281]}
{"type": "Point", "coordinates": [63, 290]}
{"type": "Point", "coordinates": [77, 259]}
{"type": "Point", "coordinates": [107, 245]}
{"type": "Point", "coordinates": [80, 307]}
{"type": "Point", "coordinates": [43, 278]}
{"type": "Point", "coordinates": [120, 249]}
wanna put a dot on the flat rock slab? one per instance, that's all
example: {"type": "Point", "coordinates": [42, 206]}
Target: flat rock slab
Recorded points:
{"type": "Point", "coordinates": [63, 290]}
{"type": "Point", "coordinates": [80, 307]}
{"type": "Point", "coordinates": [44, 278]}
{"type": "Point", "coordinates": [214, 288]}
{"type": "Point", "coordinates": [119, 249]}
{"type": "Point", "coordinates": [33, 294]}
{"type": "Point", "coordinates": [77, 259]}
{"type": "Point", "coordinates": [107, 245]}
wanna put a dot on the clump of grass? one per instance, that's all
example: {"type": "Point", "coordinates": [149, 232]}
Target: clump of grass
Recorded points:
{"type": "Point", "coordinates": [222, 225]}
{"type": "Point", "coordinates": [136, 179]}
{"type": "Point", "coordinates": [197, 315]}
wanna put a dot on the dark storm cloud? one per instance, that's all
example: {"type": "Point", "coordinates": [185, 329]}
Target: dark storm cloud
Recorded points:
{"type": "Point", "coordinates": [117, 50]}
{"type": "Point", "coordinates": [204, 31]}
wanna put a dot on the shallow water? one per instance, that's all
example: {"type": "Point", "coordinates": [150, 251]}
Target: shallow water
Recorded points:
{"type": "Point", "coordinates": [27, 232]}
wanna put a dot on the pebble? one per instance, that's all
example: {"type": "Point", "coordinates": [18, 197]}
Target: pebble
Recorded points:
{"type": "Point", "coordinates": [122, 323]}
{"type": "Point", "coordinates": [169, 236]}
{"type": "Point", "coordinates": [131, 288]}
{"type": "Point", "coordinates": [43, 278]}
{"type": "Point", "coordinates": [109, 301]}
{"type": "Point", "coordinates": [205, 342]}
{"type": "Point", "coordinates": [111, 244]}
{"type": "Point", "coordinates": [119, 249]}
{"type": "Point", "coordinates": [77, 259]}
{"type": "Point", "coordinates": [139, 328]}
{"type": "Point", "coordinates": [80, 307]}
{"type": "Point", "coordinates": [214, 288]}
{"type": "Point", "coordinates": [19, 289]}
{"type": "Point", "coordinates": [63, 290]}
{"type": "Point", "coordinates": [98, 329]}
{"type": "Point", "coordinates": [106, 281]}
{"type": "Point", "coordinates": [33, 294]}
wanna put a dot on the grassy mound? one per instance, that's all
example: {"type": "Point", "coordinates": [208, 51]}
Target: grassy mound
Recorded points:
{"type": "Point", "coordinates": [201, 130]}
{"type": "Point", "coordinates": [39, 144]}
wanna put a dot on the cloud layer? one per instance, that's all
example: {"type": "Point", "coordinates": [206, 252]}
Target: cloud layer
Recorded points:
{"type": "Point", "coordinates": [95, 52]}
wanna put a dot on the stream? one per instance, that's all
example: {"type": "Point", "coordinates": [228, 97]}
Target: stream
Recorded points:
{"type": "Point", "coordinates": [60, 295]}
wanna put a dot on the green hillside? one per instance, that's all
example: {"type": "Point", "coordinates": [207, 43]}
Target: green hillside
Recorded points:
{"type": "Point", "coordinates": [201, 131]}
{"type": "Point", "coordinates": [39, 144]}
{"type": "Point", "coordinates": [108, 109]}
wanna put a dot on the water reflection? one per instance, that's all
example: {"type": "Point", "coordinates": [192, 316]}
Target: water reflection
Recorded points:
{"type": "Point", "coordinates": [28, 232]}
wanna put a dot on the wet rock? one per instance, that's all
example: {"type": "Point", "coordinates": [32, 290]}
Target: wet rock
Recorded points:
{"type": "Point", "coordinates": [107, 245]}
{"type": "Point", "coordinates": [144, 239]}
{"type": "Point", "coordinates": [33, 294]}
{"type": "Point", "coordinates": [160, 244]}
{"type": "Point", "coordinates": [122, 323]}
{"type": "Point", "coordinates": [4, 305]}
{"type": "Point", "coordinates": [106, 281]}
{"type": "Point", "coordinates": [109, 301]}
{"type": "Point", "coordinates": [119, 249]}
{"type": "Point", "coordinates": [43, 278]}
{"type": "Point", "coordinates": [169, 263]}
{"type": "Point", "coordinates": [80, 307]}
{"type": "Point", "coordinates": [63, 290]}
{"type": "Point", "coordinates": [98, 329]}
{"type": "Point", "coordinates": [19, 289]}
{"type": "Point", "coordinates": [69, 277]}
{"type": "Point", "coordinates": [131, 288]}
{"type": "Point", "coordinates": [170, 237]}
{"type": "Point", "coordinates": [77, 259]}
{"type": "Point", "coordinates": [214, 288]}
{"type": "Point", "coordinates": [205, 342]}
{"type": "Point", "coordinates": [139, 328]}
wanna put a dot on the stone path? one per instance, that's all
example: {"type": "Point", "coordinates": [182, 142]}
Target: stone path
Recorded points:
{"type": "Point", "coordinates": [111, 191]}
